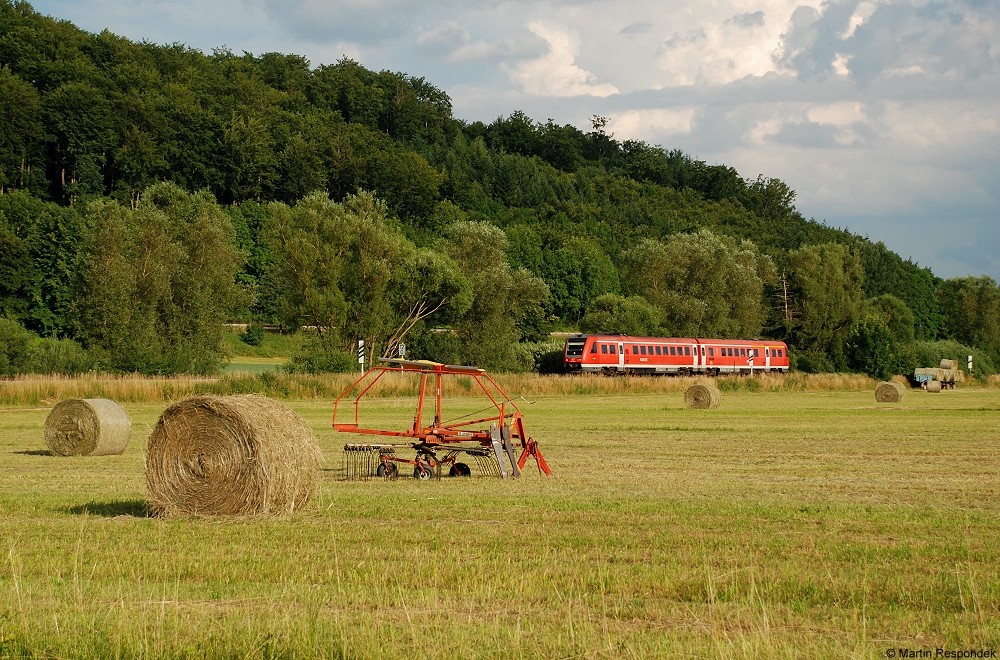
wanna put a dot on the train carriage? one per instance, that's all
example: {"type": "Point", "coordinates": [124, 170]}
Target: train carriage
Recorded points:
{"type": "Point", "coordinates": [673, 355]}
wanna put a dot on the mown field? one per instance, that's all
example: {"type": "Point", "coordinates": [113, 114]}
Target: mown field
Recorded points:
{"type": "Point", "coordinates": [786, 523]}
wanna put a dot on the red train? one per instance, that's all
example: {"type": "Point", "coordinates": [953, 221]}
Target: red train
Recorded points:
{"type": "Point", "coordinates": [673, 355]}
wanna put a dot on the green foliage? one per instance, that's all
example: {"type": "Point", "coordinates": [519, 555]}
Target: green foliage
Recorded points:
{"type": "Point", "coordinates": [971, 307]}
{"type": "Point", "coordinates": [872, 349]}
{"type": "Point", "coordinates": [617, 315]}
{"type": "Point", "coordinates": [704, 284]}
{"type": "Point", "coordinates": [157, 283]}
{"type": "Point", "coordinates": [930, 354]}
{"type": "Point", "coordinates": [61, 356]}
{"type": "Point", "coordinates": [502, 297]}
{"type": "Point", "coordinates": [15, 341]}
{"type": "Point", "coordinates": [319, 356]}
{"type": "Point", "coordinates": [825, 299]}
{"type": "Point", "coordinates": [253, 335]}
{"type": "Point", "coordinates": [95, 116]}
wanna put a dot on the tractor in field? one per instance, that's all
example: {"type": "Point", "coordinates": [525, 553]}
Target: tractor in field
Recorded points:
{"type": "Point", "coordinates": [488, 438]}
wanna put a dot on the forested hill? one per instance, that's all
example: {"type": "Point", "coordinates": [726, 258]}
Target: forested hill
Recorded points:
{"type": "Point", "coordinates": [595, 228]}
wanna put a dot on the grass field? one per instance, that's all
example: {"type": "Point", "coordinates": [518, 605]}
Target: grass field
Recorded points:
{"type": "Point", "coordinates": [783, 524]}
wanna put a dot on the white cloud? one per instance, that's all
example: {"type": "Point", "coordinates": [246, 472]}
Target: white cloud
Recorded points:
{"type": "Point", "coordinates": [556, 73]}
{"type": "Point", "coordinates": [637, 124]}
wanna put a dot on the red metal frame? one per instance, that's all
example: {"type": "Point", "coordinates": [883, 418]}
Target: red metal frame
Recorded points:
{"type": "Point", "coordinates": [439, 433]}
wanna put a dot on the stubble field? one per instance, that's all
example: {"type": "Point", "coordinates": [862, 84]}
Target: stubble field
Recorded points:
{"type": "Point", "coordinates": [783, 524]}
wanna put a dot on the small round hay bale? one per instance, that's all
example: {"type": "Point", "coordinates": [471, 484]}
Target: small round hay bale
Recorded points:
{"type": "Point", "coordinates": [933, 386]}
{"type": "Point", "coordinates": [949, 364]}
{"type": "Point", "coordinates": [702, 396]}
{"type": "Point", "coordinates": [87, 427]}
{"type": "Point", "coordinates": [889, 392]}
{"type": "Point", "coordinates": [231, 455]}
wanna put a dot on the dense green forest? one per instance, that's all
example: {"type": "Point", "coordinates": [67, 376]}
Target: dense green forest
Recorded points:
{"type": "Point", "coordinates": [150, 193]}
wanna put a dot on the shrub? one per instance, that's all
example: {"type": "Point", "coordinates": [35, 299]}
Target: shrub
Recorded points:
{"type": "Point", "coordinates": [59, 356]}
{"type": "Point", "coordinates": [253, 335]}
{"type": "Point", "coordinates": [15, 353]}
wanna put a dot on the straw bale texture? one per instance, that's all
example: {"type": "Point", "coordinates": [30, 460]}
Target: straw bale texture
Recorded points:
{"type": "Point", "coordinates": [949, 364]}
{"type": "Point", "coordinates": [702, 396]}
{"type": "Point", "coordinates": [231, 455]}
{"type": "Point", "coordinates": [889, 392]}
{"type": "Point", "coordinates": [934, 386]}
{"type": "Point", "coordinates": [87, 427]}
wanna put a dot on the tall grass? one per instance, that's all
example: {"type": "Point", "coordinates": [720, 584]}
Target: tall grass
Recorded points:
{"type": "Point", "coordinates": [47, 390]}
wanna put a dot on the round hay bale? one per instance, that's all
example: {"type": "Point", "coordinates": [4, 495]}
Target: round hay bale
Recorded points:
{"type": "Point", "coordinates": [702, 396]}
{"type": "Point", "coordinates": [87, 427]}
{"type": "Point", "coordinates": [889, 392]}
{"type": "Point", "coordinates": [949, 364]}
{"type": "Point", "coordinates": [231, 455]}
{"type": "Point", "coordinates": [933, 386]}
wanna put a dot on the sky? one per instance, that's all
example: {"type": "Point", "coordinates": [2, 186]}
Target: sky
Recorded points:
{"type": "Point", "coordinates": [883, 116]}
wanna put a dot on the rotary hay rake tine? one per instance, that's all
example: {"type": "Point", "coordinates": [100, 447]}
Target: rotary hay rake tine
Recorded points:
{"type": "Point", "coordinates": [361, 462]}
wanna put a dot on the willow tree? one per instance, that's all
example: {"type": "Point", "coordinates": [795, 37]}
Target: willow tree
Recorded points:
{"type": "Point", "coordinates": [704, 284]}
{"type": "Point", "coordinates": [157, 283]}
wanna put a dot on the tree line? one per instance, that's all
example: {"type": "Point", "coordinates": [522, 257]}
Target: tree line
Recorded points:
{"type": "Point", "coordinates": [149, 193]}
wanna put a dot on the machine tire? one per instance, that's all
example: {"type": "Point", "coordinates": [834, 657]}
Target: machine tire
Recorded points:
{"type": "Point", "coordinates": [460, 470]}
{"type": "Point", "coordinates": [387, 470]}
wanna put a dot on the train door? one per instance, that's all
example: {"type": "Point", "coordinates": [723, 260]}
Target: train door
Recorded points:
{"type": "Point", "coordinates": [621, 356]}
{"type": "Point", "coordinates": [767, 358]}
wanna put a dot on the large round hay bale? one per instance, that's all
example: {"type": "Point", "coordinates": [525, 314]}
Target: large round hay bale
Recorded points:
{"type": "Point", "coordinates": [87, 427]}
{"type": "Point", "coordinates": [949, 364]}
{"type": "Point", "coordinates": [702, 396]}
{"type": "Point", "coordinates": [933, 386]}
{"type": "Point", "coordinates": [889, 392]}
{"type": "Point", "coordinates": [231, 455]}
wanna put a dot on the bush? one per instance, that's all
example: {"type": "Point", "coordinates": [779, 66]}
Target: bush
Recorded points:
{"type": "Point", "coordinates": [547, 356]}
{"type": "Point", "coordinates": [253, 335]}
{"type": "Point", "coordinates": [15, 352]}
{"type": "Point", "coordinates": [811, 362]}
{"type": "Point", "coordinates": [318, 357]}
{"type": "Point", "coordinates": [60, 356]}
{"type": "Point", "coordinates": [930, 354]}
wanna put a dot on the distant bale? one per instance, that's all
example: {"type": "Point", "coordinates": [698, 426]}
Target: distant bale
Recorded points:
{"type": "Point", "coordinates": [889, 392]}
{"type": "Point", "coordinates": [702, 396]}
{"type": "Point", "coordinates": [87, 427]}
{"type": "Point", "coordinates": [934, 386]}
{"type": "Point", "coordinates": [949, 364]}
{"type": "Point", "coordinates": [231, 455]}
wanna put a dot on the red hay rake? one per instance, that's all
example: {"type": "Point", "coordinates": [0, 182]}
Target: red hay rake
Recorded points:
{"type": "Point", "coordinates": [488, 441]}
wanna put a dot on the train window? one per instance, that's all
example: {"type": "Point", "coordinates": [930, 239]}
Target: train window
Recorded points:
{"type": "Point", "coordinates": [593, 347]}
{"type": "Point", "coordinates": [687, 350]}
{"type": "Point", "coordinates": [635, 349]}
{"type": "Point", "coordinates": [604, 348]}
{"type": "Point", "coordinates": [711, 351]}
{"type": "Point", "coordinates": [673, 350]}
{"type": "Point", "coordinates": [649, 349]}
{"type": "Point", "coordinates": [612, 350]}
{"type": "Point", "coordinates": [781, 353]}
{"type": "Point", "coordinates": [657, 350]}
{"type": "Point", "coordinates": [743, 352]}
{"type": "Point", "coordinates": [756, 352]}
